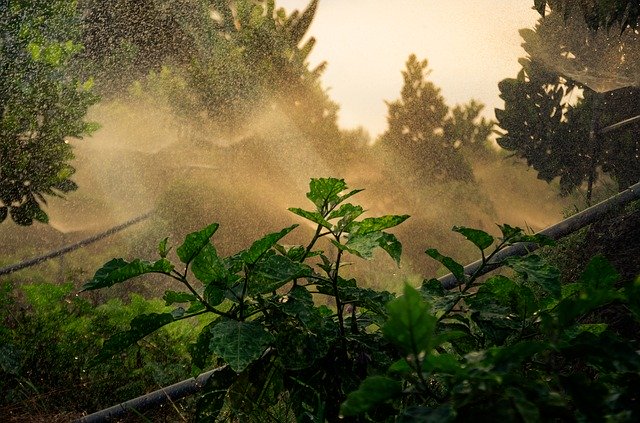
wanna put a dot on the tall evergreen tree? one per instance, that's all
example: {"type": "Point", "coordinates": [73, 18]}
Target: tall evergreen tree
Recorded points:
{"type": "Point", "coordinates": [415, 128]}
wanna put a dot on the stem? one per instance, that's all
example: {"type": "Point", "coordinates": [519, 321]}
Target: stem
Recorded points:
{"type": "Point", "coordinates": [244, 291]}
{"type": "Point", "coordinates": [336, 294]}
{"type": "Point", "coordinates": [186, 283]}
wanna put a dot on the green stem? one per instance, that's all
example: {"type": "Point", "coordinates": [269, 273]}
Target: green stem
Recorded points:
{"type": "Point", "coordinates": [336, 293]}
{"type": "Point", "coordinates": [186, 283]}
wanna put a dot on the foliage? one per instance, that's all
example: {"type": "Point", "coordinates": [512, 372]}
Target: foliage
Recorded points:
{"type": "Point", "coordinates": [274, 339]}
{"type": "Point", "coordinates": [596, 13]}
{"type": "Point", "coordinates": [465, 129]}
{"type": "Point", "coordinates": [127, 39]}
{"type": "Point", "coordinates": [422, 133]}
{"type": "Point", "coordinates": [41, 105]}
{"type": "Point", "coordinates": [561, 98]}
{"type": "Point", "coordinates": [48, 336]}
{"type": "Point", "coordinates": [519, 349]}
{"type": "Point", "coordinates": [525, 347]}
{"type": "Point", "coordinates": [247, 60]}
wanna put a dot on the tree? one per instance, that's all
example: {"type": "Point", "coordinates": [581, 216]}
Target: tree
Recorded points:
{"type": "Point", "coordinates": [41, 105]}
{"type": "Point", "coordinates": [565, 92]}
{"type": "Point", "coordinates": [415, 128]}
{"type": "Point", "coordinates": [467, 130]}
{"type": "Point", "coordinates": [596, 13]}
{"type": "Point", "coordinates": [124, 40]}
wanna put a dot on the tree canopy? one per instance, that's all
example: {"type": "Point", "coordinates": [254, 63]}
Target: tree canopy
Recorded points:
{"type": "Point", "coordinates": [422, 133]}
{"type": "Point", "coordinates": [41, 105]}
{"type": "Point", "coordinates": [572, 84]}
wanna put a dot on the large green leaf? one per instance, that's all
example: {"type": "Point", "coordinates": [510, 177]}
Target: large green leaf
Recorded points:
{"type": "Point", "coordinates": [454, 267]}
{"type": "Point", "coordinates": [376, 224]}
{"type": "Point", "coordinates": [518, 301]}
{"type": "Point", "coordinates": [200, 350]}
{"type": "Point", "coordinates": [480, 239]}
{"type": "Point", "coordinates": [372, 391]}
{"type": "Point", "coordinates": [239, 343]}
{"type": "Point", "coordinates": [264, 244]}
{"type": "Point", "coordinates": [208, 267]}
{"type": "Point", "coordinates": [363, 245]}
{"type": "Point", "coordinates": [411, 324]}
{"type": "Point", "coordinates": [173, 297]}
{"type": "Point", "coordinates": [324, 191]}
{"type": "Point", "coordinates": [347, 211]}
{"type": "Point", "coordinates": [141, 326]}
{"type": "Point", "coordinates": [195, 242]}
{"type": "Point", "coordinates": [273, 271]}
{"type": "Point", "coordinates": [119, 270]}
{"type": "Point", "coordinates": [538, 271]}
{"type": "Point", "coordinates": [315, 217]}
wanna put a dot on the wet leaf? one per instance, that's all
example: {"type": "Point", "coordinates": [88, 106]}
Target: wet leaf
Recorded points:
{"type": "Point", "coordinates": [119, 270]}
{"type": "Point", "coordinates": [141, 326]}
{"type": "Point", "coordinates": [411, 324]}
{"type": "Point", "coordinates": [195, 242]}
{"type": "Point", "coordinates": [261, 246]}
{"type": "Point", "coordinates": [239, 343]}
{"type": "Point", "coordinates": [479, 238]}
{"type": "Point", "coordinates": [173, 297]}
{"type": "Point", "coordinates": [538, 271]}
{"type": "Point", "coordinates": [454, 267]}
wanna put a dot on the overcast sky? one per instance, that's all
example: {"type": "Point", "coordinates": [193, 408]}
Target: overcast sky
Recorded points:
{"type": "Point", "coordinates": [470, 46]}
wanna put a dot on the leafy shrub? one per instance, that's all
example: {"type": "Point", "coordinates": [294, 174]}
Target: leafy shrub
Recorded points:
{"type": "Point", "coordinates": [522, 348]}
{"type": "Point", "coordinates": [49, 336]}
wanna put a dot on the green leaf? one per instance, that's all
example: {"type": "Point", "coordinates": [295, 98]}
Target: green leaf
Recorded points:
{"type": "Point", "coordinates": [4, 211]}
{"type": "Point", "coordinates": [324, 191]}
{"type": "Point", "coordinates": [213, 295]}
{"type": "Point", "coordinates": [315, 217]}
{"type": "Point", "coordinates": [173, 297]}
{"type": "Point", "coordinates": [372, 391]}
{"type": "Point", "coordinates": [195, 242]}
{"type": "Point", "coordinates": [261, 246]}
{"type": "Point", "coordinates": [513, 235]}
{"type": "Point", "coordinates": [162, 248]}
{"type": "Point", "coordinates": [363, 245]}
{"type": "Point", "coordinates": [480, 239]}
{"type": "Point", "coordinates": [538, 271]}
{"type": "Point", "coordinates": [239, 343]}
{"type": "Point", "coordinates": [141, 326]}
{"type": "Point", "coordinates": [376, 224]}
{"type": "Point", "coordinates": [518, 301]}
{"type": "Point", "coordinates": [273, 271]}
{"type": "Point", "coordinates": [392, 246]}
{"type": "Point", "coordinates": [208, 267]}
{"type": "Point", "coordinates": [201, 349]}
{"type": "Point", "coordinates": [411, 325]}
{"type": "Point", "coordinates": [442, 363]}
{"type": "Point", "coordinates": [119, 270]}
{"type": "Point", "coordinates": [347, 211]}
{"type": "Point", "coordinates": [454, 267]}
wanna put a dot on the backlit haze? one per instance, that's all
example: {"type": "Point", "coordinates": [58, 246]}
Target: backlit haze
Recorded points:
{"type": "Point", "coordinates": [470, 46]}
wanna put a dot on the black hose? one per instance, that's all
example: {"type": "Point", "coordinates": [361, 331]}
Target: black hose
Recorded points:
{"type": "Point", "coordinates": [557, 231]}
{"type": "Point", "coordinates": [64, 250]}
{"type": "Point", "coordinates": [170, 393]}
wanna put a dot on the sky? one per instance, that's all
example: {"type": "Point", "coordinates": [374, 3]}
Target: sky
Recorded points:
{"type": "Point", "coordinates": [470, 45]}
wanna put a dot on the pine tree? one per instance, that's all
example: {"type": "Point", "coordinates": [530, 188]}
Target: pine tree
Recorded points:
{"type": "Point", "coordinates": [415, 129]}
